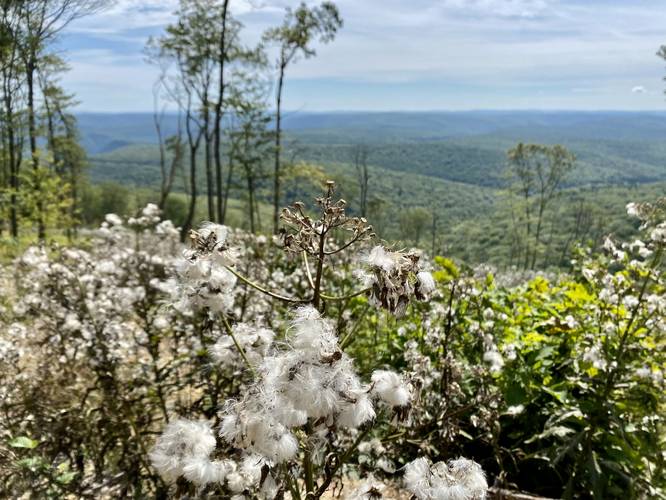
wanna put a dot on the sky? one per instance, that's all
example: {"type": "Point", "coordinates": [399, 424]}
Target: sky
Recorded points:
{"type": "Point", "coordinates": [410, 55]}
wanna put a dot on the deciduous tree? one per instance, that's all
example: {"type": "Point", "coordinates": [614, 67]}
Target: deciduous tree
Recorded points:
{"type": "Point", "coordinates": [301, 27]}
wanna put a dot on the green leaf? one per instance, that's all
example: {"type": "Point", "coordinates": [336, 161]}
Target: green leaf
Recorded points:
{"type": "Point", "coordinates": [66, 478]}
{"type": "Point", "coordinates": [32, 463]}
{"type": "Point", "coordinates": [556, 431]}
{"type": "Point", "coordinates": [559, 395]}
{"type": "Point", "coordinates": [23, 442]}
{"type": "Point", "coordinates": [449, 269]}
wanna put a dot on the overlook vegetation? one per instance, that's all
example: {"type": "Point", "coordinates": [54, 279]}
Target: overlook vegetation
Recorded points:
{"type": "Point", "coordinates": [228, 299]}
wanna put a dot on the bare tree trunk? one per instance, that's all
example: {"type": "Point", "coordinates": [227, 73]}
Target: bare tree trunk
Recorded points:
{"type": "Point", "coordinates": [13, 164]}
{"type": "Point", "coordinates": [194, 146]}
{"type": "Point", "coordinates": [58, 158]}
{"type": "Point", "coordinates": [250, 194]}
{"type": "Point", "coordinates": [32, 133]}
{"type": "Point", "coordinates": [74, 171]}
{"type": "Point", "coordinates": [537, 233]}
{"type": "Point", "coordinates": [9, 71]}
{"type": "Point", "coordinates": [514, 249]}
{"type": "Point", "coordinates": [218, 116]}
{"type": "Point", "coordinates": [157, 119]}
{"type": "Point", "coordinates": [50, 127]}
{"type": "Point", "coordinates": [257, 213]}
{"type": "Point", "coordinates": [227, 189]}
{"type": "Point", "coordinates": [209, 169]}
{"type": "Point", "coordinates": [434, 233]}
{"type": "Point", "coordinates": [278, 148]}
{"type": "Point", "coordinates": [529, 230]}
{"type": "Point", "coordinates": [361, 164]}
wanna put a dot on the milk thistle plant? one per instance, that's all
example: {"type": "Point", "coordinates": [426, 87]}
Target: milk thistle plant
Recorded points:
{"type": "Point", "coordinates": [297, 425]}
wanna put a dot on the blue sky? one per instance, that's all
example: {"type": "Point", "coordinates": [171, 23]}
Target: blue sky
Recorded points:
{"type": "Point", "coordinates": [412, 55]}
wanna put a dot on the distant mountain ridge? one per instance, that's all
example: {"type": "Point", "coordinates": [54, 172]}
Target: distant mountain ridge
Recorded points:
{"type": "Point", "coordinates": [102, 132]}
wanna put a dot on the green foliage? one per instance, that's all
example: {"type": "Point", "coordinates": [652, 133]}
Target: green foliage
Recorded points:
{"type": "Point", "coordinates": [574, 408]}
{"type": "Point", "coordinates": [301, 27]}
{"type": "Point", "coordinates": [413, 223]}
{"type": "Point", "coordinates": [97, 200]}
{"type": "Point", "coordinates": [51, 204]}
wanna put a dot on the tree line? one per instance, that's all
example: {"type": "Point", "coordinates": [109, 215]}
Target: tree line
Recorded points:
{"type": "Point", "coordinates": [41, 161]}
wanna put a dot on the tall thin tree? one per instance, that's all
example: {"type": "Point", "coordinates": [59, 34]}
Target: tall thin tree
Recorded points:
{"type": "Point", "coordinates": [300, 28]}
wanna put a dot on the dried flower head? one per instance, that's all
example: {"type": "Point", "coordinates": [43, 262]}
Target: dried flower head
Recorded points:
{"type": "Point", "coordinates": [396, 277]}
{"type": "Point", "coordinates": [305, 234]}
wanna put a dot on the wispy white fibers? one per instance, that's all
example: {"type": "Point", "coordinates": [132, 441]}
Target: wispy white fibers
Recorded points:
{"type": "Point", "coordinates": [369, 489]}
{"type": "Point", "coordinates": [395, 278]}
{"type": "Point", "coordinates": [205, 280]}
{"type": "Point", "coordinates": [201, 470]}
{"type": "Point", "coordinates": [311, 378]}
{"type": "Point", "coordinates": [391, 388]}
{"type": "Point", "coordinates": [255, 342]}
{"type": "Point", "coordinates": [459, 479]}
{"type": "Point", "coordinates": [181, 440]}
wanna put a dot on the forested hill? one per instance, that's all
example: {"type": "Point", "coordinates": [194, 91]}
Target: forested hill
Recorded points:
{"type": "Point", "coordinates": [469, 147]}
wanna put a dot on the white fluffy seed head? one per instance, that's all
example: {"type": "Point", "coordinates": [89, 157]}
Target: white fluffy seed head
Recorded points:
{"type": "Point", "coordinates": [181, 440]}
{"type": "Point", "coordinates": [356, 414]}
{"type": "Point", "coordinates": [460, 479]}
{"type": "Point", "coordinates": [470, 474]}
{"type": "Point", "coordinates": [381, 258]}
{"type": "Point", "coordinates": [417, 477]}
{"type": "Point", "coordinates": [426, 282]}
{"type": "Point", "coordinates": [286, 447]}
{"type": "Point", "coordinates": [391, 388]}
{"type": "Point", "coordinates": [219, 231]}
{"type": "Point", "coordinates": [229, 428]}
{"type": "Point", "coordinates": [311, 333]}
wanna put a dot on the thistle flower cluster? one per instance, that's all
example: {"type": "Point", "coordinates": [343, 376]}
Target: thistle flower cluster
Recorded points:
{"type": "Point", "coordinates": [308, 381]}
{"type": "Point", "coordinates": [206, 281]}
{"type": "Point", "coordinates": [88, 335]}
{"type": "Point", "coordinates": [394, 278]}
{"type": "Point", "coordinates": [459, 479]}
{"type": "Point", "coordinates": [311, 380]}
{"type": "Point", "coordinates": [306, 399]}
{"type": "Point", "coordinates": [184, 450]}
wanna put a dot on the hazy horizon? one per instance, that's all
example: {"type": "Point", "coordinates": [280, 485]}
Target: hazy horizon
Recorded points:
{"type": "Point", "coordinates": [401, 111]}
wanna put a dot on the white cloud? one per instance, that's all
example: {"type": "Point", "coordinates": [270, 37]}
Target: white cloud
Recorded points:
{"type": "Point", "coordinates": [125, 15]}
{"type": "Point", "coordinates": [502, 8]}
{"type": "Point", "coordinates": [638, 89]}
